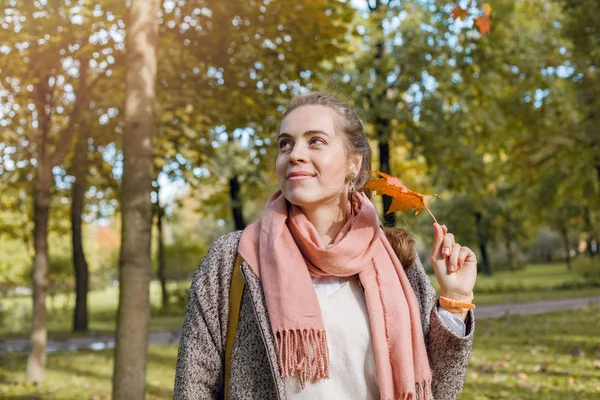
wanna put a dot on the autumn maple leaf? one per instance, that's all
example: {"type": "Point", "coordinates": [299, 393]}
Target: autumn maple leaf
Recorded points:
{"type": "Point", "coordinates": [459, 13]}
{"type": "Point", "coordinates": [403, 199]}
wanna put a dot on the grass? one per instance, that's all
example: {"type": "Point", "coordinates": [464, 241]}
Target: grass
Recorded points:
{"type": "Point", "coordinates": [85, 375]}
{"type": "Point", "coordinates": [102, 311]}
{"type": "Point", "coordinates": [536, 282]}
{"type": "Point", "coordinates": [553, 356]}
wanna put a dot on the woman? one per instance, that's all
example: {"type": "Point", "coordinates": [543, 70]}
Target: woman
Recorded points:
{"type": "Point", "coordinates": [332, 307]}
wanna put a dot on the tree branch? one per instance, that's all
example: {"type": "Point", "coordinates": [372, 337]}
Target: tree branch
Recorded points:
{"type": "Point", "coordinates": [67, 134]}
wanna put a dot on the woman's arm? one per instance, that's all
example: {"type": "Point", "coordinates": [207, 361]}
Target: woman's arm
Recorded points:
{"type": "Point", "coordinates": [200, 361]}
{"type": "Point", "coordinates": [448, 352]}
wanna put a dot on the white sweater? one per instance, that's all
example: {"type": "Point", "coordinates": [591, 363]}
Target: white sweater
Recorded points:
{"type": "Point", "coordinates": [352, 373]}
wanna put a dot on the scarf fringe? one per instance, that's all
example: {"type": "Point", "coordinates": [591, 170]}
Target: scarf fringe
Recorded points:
{"type": "Point", "coordinates": [303, 352]}
{"type": "Point", "coordinates": [424, 390]}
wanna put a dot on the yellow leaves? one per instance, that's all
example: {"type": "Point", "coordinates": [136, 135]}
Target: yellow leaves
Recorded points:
{"type": "Point", "coordinates": [403, 199]}
{"type": "Point", "coordinates": [487, 9]}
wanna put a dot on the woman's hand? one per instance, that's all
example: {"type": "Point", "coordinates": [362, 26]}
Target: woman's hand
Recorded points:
{"type": "Point", "coordinates": [455, 266]}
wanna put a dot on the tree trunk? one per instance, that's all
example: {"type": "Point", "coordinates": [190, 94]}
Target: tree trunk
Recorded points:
{"type": "Point", "coordinates": [162, 277]}
{"type": "Point", "coordinates": [565, 237]}
{"type": "Point", "coordinates": [136, 205]}
{"type": "Point", "coordinates": [509, 254]}
{"type": "Point", "coordinates": [382, 125]}
{"type": "Point", "coordinates": [384, 166]}
{"type": "Point", "coordinates": [236, 203]}
{"type": "Point", "coordinates": [587, 224]}
{"type": "Point", "coordinates": [36, 361]}
{"type": "Point", "coordinates": [482, 242]}
{"type": "Point", "coordinates": [80, 314]}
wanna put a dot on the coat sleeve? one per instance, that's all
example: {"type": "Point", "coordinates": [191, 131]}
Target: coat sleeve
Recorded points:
{"type": "Point", "coordinates": [448, 353]}
{"type": "Point", "coordinates": [201, 356]}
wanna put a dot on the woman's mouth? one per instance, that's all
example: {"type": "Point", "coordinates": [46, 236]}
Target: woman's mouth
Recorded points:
{"type": "Point", "coordinates": [299, 176]}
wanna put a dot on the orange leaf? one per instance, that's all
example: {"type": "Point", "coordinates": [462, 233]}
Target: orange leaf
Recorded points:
{"type": "Point", "coordinates": [483, 23]}
{"type": "Point", "coordinates": [403, 199]}
{"type": "Point", "coordinates": [459, 12]}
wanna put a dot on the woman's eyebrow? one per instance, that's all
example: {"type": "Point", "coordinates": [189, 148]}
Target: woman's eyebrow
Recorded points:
{"type": "Point", "coordinates": [307, 133]}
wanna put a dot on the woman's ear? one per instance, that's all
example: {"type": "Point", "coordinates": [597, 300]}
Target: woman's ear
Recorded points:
{"type": "Point", "coordinates": [355, 164]}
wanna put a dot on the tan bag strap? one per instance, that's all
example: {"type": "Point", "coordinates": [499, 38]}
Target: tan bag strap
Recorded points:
{"type": "Point", "coordinates": [235, 301]}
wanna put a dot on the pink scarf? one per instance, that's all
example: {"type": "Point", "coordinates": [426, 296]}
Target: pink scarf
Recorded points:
{"type": "Point", "coordinates": [284, 250]}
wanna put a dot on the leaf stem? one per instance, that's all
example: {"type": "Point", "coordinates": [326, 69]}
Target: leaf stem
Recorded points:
{"type": "Point", "coordinates": [429, 211]}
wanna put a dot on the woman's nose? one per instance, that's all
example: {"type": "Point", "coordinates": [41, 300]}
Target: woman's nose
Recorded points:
{"type": "Point", "coordinates": [298, 154]}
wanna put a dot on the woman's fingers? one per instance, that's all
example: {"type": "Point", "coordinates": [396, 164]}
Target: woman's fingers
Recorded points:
{"type": "Point", "coordinates": [463, 254]}
{"type": "Point", "coordinates": [452, 264]}
{"type": "Point", "coordinates": [438, 237]}
{"type": "Point", "coordinates": [447, 244]}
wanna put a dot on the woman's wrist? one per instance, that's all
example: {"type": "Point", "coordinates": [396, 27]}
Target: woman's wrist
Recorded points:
{"type": "Point", "coordinates": [457, 295]}
{"type": "Point", "coordinates": [456, 302]}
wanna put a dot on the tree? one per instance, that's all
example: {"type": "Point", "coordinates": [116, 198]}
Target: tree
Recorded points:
{"type": "Point", "coordinates": [136, 205]}
{"type": "Point", "coordinates": [46, 95]}
{"type": "Point", "coordinates": [237, 67]}
{"type": "Point", "coordinates": [80, 265]}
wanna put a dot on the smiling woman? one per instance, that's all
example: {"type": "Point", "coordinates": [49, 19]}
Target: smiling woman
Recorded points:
{"type": "Point", "coordinates": [335, 306]}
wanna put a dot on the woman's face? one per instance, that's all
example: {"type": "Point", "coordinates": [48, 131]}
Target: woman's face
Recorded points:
{"type": "Point", "coordinates": [312, 166]}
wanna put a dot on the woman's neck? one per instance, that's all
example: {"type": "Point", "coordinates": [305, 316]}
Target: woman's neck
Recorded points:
{"type": "Point", "coordinates": [328, 220]}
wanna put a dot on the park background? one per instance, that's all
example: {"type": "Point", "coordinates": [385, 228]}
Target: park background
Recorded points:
{"type": "Point", "coordinates": [493, 106]}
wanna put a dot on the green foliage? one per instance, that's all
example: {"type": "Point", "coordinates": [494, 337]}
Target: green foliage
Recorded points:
{"type": "Point", "coordinates": [588, 268]}
{"type": "Point", "coordinates": [182, 258]}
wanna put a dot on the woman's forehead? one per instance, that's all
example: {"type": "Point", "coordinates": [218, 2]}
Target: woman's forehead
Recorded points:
{"type": "Point", "coordinates": [309, 118]}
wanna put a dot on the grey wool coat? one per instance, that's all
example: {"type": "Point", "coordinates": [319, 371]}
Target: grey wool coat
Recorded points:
{"type": "Point", "coordinates": [254, 367]}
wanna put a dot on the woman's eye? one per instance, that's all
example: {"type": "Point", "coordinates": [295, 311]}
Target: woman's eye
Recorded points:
{"type": "Point", "coordinates": [317, 141]}
{"type": "Point", "coordinates": [284, 144]}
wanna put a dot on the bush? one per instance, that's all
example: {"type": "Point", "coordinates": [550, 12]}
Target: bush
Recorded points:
{"type": "Point", "coordinates": [588, 268]}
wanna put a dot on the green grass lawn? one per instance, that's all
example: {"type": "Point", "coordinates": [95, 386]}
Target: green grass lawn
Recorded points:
{"type": "Point", "coordinates": [102, 309]}
{"type": "Point", "coordinates": [554, 356]}
{"type": "Point", "coordinates": [536, 282]}
{"type": "Point", "coordinates": [85, 375]}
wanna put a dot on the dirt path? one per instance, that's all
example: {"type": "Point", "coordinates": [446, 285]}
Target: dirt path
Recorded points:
{"type": "Point", "coordinates": [108, 342]}
{"type": "Point", "coordinates": [534, 307]}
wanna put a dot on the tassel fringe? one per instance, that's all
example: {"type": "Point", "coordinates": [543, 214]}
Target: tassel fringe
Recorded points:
{"type": "Point", "coordinates": [424, 390]}
{"type": "Point", "coordinates": [303, 352]}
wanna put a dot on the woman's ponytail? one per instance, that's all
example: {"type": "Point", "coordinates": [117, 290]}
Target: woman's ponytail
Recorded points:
{"type": "Point", "coordinates": [403, 244]}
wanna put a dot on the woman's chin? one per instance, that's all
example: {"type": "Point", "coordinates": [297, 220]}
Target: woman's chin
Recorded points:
{"type": "Point", "coordinates": [301, 198]}
{"type": "Point", "coordinates": [310, 198]}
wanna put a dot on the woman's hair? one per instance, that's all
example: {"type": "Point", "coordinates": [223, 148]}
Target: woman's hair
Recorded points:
{"type": "Point", "coordinates": [356, 142]}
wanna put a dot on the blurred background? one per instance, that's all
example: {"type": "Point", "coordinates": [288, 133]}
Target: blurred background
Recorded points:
{"type": "Point", "coordinates": [493, 106]}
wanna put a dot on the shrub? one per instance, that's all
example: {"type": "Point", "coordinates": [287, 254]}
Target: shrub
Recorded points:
{"type": "Point", "coordinates": [588, 268]}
